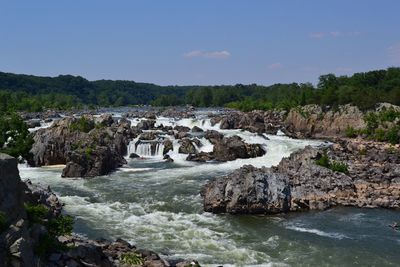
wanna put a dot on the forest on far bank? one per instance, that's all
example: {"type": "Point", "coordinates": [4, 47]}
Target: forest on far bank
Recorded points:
{"type": "Point", "coordinates": [20, 92]}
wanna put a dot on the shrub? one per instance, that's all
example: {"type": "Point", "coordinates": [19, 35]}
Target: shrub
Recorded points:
{"type": "Point", "coordinates": [82, 125]}
{"type": "Point", "coordinates": [339, 167]}
{"type": "Point", "coordinates": [36, 213]}
{"type": "Point", "coordinates": [132, 259]}
{"type": "Point", "coordinates": [62, 225]}
{"type": "Point", "coordinates": [393, 135]}
{"type": "Point", "coordinates": [335, 166]}
{"type": "Point", "coordinates": [323, 160]}
{"type": "Point", "coordinates": [15, 138]}
{"type": "Point", "coordinates": [350, 132]}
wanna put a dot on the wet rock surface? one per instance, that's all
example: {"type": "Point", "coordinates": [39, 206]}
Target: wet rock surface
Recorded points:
{"type": "Point", "coordinates": [298, 183]}
{"type": "Point", "coordinates": [20, 236]}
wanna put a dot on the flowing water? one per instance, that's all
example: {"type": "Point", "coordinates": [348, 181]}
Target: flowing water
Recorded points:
{"type": "Point", "coordinates": [156, 205]}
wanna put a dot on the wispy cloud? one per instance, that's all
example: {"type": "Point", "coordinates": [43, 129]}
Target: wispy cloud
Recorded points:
{"type": "Point", "coordinates": [317, 35]}
{"type": "Point", "coordinates": [333, 34]}
{"type": "Point", "coordinates": [394, 53]}
{"type": "Point", "coordinates": [208, 54]}
{"type": "Point", "coordinates": [275, 66]}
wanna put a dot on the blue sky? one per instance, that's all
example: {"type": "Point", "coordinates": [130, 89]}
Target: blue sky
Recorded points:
{"type": "Point", "coordinates": [199, 42]}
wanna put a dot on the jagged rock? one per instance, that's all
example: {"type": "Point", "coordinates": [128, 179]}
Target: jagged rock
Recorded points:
{"type": "Point", "coordinates": [147, 136]}
{"type": "Point", "coordinates": [11, 189]}
{"type": "Point", "coordinates": [105, 120]}
{"type": "Point", "coordinates": [312, 121]}
{"type": "Point", "coordinates": [33, 123]}
{"type": "Point", "coordinates": [231, 148]}
{"type": "Point", "coordinates": [309, 186]}
{"type": "Point", "coordinates": [168, 146]}
{"type": "Point", "coordinates": [213, 136]}
{"type": "Point", "coordinates": [196, 129]}
{"type": "Point", "coordinates": [37, 194]}
{"type": "Point", "coordinates": [145, 124]}
{"type": "Point", "coordinates": [182, 129]}
{"type": "Point", "coordinates": [134, 156]}
{"type": "Point", "coordinates": [200, 157]}
{"type": "Point", "coordinates": [100, 161]}
{"type": "Point", "coordinates": [167, 158]}
{"type": "Point", "coordinates": [248, 190]}
{"type": "Point", "coordinates": [60, 144]}
{"type": "Point", "coordinates": [187, 147]}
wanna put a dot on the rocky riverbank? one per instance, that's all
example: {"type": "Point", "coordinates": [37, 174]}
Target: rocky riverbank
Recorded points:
{"type": "Point", "coordinates": [30, 220]}
{"type": "Point", "coordinates": [348, 173]}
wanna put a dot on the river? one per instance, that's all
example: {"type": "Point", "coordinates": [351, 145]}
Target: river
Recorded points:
{"type": "Point", "coordinates": [156, 205]}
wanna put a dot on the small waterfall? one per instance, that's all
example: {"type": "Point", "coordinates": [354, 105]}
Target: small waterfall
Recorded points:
{"type": "Point", "coordinates": [146, 149]}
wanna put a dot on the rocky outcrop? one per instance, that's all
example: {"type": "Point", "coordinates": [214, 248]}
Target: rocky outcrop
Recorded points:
{"type": "Point", "coordinates": [231, 148]}
{"type": "Point", "coordinates": [227, 149]}
{"type": "Point", "coordinates": [22, 236]}
{"type": "Point", "coordinates": [247, 190]}
{"type": "Point", "coordinates": [86, 148]}
{"type": "Point", "coordinates": [256, 121]}
{"type": "Point", "coordinates": [369, 178]}
{"type": "Point", "coordinates": [312, 121]}
{"type": "Point", "coordinates": [17, 241]}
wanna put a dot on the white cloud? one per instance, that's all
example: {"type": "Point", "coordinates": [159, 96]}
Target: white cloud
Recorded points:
{"type": "Point", "coordinates": [334, 34]}
{"type": "Point", "coordinates": [208, 54]}
{"type": "Point", "coordinates": [275, 66]}
{"type": "Point", "coordinates": [394, 53]}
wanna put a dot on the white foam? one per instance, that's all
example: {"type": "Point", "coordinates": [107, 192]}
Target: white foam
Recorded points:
{"type": "Point", "coordinates": [317, 232]}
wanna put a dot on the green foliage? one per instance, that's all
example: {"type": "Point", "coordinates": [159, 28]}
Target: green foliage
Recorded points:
{"type": "Point", "coordinates": [381, 126]}
{"type": "Point", "coordinates": [31, 93]}
{"type": "Point", "coordinates": [15, 138]}
{"type": "Point", "coordinates": [336, 166]}
{"type": "Point", "coordinates": [36, 213]}
{"type": "Point", "coordinates": [323, 160]}
{"type": "Point", "coordinates": [82, 125]}
{"type": "Point", "coordinates": [62, 225]}
{"type": "Point", "coordinates": [132, 259]}
{"type": "Point", "coordinates": [339, 167]}
{"type": "Point", "coordinates": [350, 132]}
{"type": "Point", "coordinates": [3, 221]}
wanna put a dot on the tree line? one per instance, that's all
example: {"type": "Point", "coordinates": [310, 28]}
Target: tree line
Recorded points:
{"type": "Point", "coordinates": [32, 93]}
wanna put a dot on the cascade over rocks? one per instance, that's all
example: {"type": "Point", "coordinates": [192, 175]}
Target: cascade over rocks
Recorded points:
{"type": "Point", "coordinates": [20, 237]}
{"type": "Point", "coordinates": [298, 183]}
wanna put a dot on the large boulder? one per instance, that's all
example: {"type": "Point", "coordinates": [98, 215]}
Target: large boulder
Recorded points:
{"type": "Point", "coordinates": [187, 147]}
{"type": "Point", "coordinates": [91, 163]}
{"type": "Point", "coordinates": [231, 148]}
{"type": "Point", "coordinates": [248, 190]}
{"type": "Point", "coordinates": [168, 146]}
